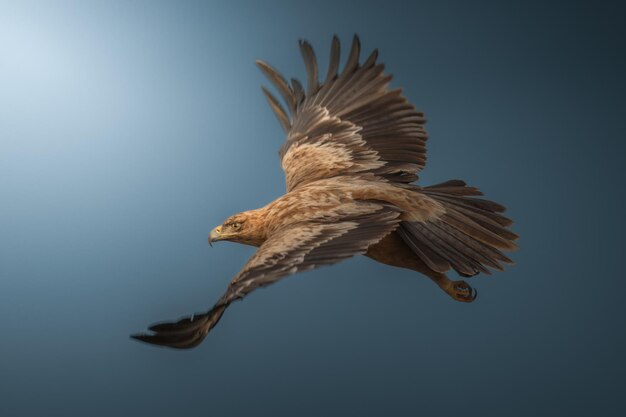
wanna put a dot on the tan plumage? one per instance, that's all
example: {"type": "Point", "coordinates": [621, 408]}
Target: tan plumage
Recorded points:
{"type": "Point", "coordinates": [352, 150]}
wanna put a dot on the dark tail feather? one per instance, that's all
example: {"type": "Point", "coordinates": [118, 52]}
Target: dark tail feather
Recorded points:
{"type": "Point", "coordinates": [468, 238]}
{"type": "Point", "coordinates": [185, 333]}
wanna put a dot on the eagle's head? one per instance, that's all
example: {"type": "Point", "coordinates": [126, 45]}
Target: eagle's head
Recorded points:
{"type": "Point", "coordinates": [241, 228]}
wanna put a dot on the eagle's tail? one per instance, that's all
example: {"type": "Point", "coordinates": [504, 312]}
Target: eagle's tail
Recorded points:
{"type": "Point", "coordinates": [470, 235]}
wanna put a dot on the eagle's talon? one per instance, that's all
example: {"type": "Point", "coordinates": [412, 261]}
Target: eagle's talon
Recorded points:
{"type": "Point", "coordinates": [461, 291]}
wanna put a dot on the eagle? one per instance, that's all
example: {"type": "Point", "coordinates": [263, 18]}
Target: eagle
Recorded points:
{"type": "Point", "coordinates": [351, 156]}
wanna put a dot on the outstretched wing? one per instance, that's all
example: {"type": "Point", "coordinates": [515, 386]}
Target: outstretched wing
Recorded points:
{"type": "Point", "coordinates": [350, 123]}
{"type": "Point", "coordinates": [296, 248]}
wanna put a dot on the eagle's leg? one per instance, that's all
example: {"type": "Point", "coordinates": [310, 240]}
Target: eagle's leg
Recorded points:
{"type": "Point", "coordinates": [459, 290]}
{"type": "Point", "coordinates": [393, 251]}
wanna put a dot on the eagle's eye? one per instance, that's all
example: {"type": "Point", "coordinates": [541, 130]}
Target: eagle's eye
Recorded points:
{"type": "Point", "coordinates": [235, 225]}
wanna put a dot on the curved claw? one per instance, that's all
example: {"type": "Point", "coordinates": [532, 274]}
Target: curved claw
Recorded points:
{"type": "Point", "coordinates": [461, 291]}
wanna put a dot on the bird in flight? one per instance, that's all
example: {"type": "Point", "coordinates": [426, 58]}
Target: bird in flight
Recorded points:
{"type": "Point", "coordinates": [352, 152]}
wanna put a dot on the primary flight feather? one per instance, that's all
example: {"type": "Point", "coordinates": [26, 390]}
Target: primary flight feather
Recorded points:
{"type": "Point", "coordinates": [352, 152]}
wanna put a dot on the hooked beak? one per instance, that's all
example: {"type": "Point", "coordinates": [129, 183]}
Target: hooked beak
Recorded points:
{"type": "Point", "coordinates": [215, 235]}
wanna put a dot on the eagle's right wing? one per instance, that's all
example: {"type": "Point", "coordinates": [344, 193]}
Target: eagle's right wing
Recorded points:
{"type": "Point", "coordinates": [351, 123]}
{"type": "Point", "coordinates": [298, 247]}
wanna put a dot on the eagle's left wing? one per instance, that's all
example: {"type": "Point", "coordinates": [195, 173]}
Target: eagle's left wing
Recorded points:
{"type": "Point", "coordinates": [298, 247]}
{"type": "Point", "coordinates": [351, 123]}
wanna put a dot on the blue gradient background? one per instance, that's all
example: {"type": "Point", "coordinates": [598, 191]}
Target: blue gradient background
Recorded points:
{"type": "Point", "coordinates": [129, 129]}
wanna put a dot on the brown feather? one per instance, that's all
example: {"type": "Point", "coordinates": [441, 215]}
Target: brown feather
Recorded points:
{"type": "Point", "coordinates": [278, 110]}
{"type": "Point", "coordinates": [298, 91]}
{"type": "Point", "coordinates": [353, 57]}
{"type": "Point", "coordinates": [333, 62]}
{"type": "Point", "coordinates": [280, 83]}
{"type": "Point", "coordinates": [310, 63]}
